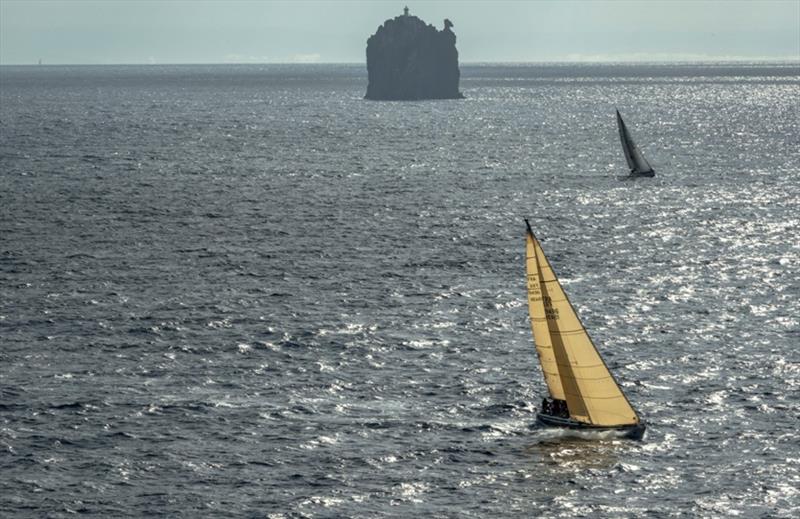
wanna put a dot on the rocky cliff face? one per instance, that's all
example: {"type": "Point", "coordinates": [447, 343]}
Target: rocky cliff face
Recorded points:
{"type": "Point", "coordinates": [409, 59]}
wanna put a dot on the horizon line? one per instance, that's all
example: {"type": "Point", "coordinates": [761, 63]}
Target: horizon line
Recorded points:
{"type": "Point", "coordinates": [603, 61]}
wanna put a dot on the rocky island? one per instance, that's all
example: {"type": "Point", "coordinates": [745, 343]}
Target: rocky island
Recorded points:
{"type": "Point", "coordinates": [408, 59]}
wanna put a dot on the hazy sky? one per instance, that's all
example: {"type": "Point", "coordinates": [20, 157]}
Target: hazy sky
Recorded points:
{"type": "Point", "coordinates": [211, 31]}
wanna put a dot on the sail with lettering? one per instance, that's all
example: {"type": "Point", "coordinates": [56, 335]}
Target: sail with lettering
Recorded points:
{"type": "Point", "coordinates": [539, 326]}
{"type": "Point", "coordinates": [633, 155]}
{"type": "Point", "coordinates": [583, 392]}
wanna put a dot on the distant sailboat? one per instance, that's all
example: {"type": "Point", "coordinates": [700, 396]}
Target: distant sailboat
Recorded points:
{"type": "Point", "coordinates": [636, 161]}
{"type": "Point", "coordinates": [583, 393]}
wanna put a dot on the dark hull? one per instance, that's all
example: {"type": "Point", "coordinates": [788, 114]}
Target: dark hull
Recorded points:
{"type": "Point", "coordinates": [634, 176]}
{"type": "Point", "coordinates": [634, 432]}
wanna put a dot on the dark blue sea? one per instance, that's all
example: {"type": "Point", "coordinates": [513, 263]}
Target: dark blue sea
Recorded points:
{"type": "Point", "coordinates": [244, 291]}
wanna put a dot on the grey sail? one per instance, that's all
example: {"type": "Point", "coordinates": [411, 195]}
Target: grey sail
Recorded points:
{"type": "Point", "coordinates": [636, 161]}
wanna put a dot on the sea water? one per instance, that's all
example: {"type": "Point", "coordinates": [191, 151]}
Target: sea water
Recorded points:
{"type": "Point", "coordinates": [244, 291]}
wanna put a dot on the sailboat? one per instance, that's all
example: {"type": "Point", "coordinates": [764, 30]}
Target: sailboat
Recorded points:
{"type": "Point", "coordinates": [636, 161]}
{"type": "Point", "coordinates": [583, 393]}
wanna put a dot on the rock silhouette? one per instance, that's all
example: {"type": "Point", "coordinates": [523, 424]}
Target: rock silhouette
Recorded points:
{"type": "Point", "coordinates": [408, 59]}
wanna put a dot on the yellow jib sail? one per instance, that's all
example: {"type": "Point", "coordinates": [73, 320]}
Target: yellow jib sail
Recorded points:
{"type": "Point", "coordinates": [592, 394]}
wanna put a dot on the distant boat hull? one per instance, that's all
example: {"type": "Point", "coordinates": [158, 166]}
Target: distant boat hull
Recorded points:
{"type": "Point", "coordinates": [633, 175]}
{"type": "Point", "coordinates": [634, 432]}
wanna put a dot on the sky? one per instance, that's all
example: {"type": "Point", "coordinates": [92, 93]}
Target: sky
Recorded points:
{"type": "Point", "coordinates": [260, 31]}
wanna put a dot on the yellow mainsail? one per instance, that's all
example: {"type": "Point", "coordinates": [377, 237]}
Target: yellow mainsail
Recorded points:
{"type": "Point", "coordinates": [539, 327]}
{"type": "Point", "coordinates": [566, 351]}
